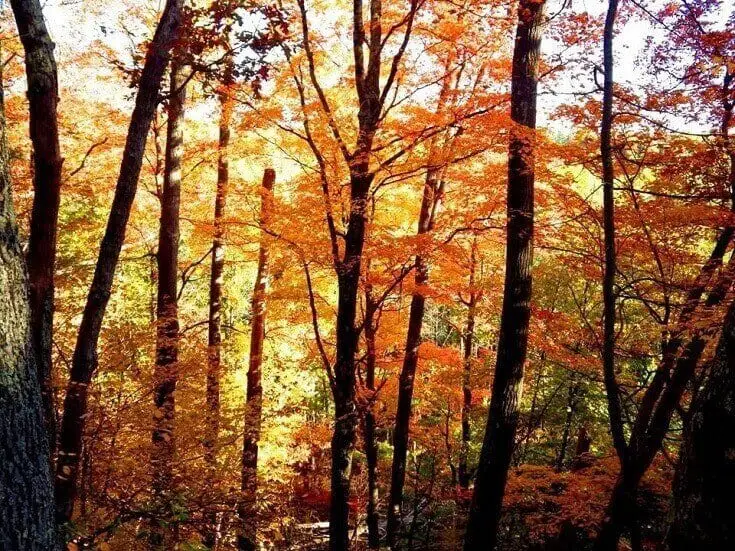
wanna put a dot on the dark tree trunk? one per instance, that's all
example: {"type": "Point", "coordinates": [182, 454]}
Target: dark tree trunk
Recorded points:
{"type": "Point", "coordinates": [677, 366]}
{"type": "Point", "coordinates": [347, 259]}
{"type": "Point", "coordinates": [431, 197]}
{"type": "Point", "coordinates": [608, 281]}
{"type": "Point", "coordinates": [43, 98]}
{"type": "Point", "coordinates": [345, 410]}
{"type": "Point", "coordinates": [216, 274]}
{"type": "Point", "coordinates": [371, 442]}
{"type": "Point", "coordinates": [26, 497]}
{"type": "Point", "coordinates": [584, 442]}
{"type": "Point", "coordinates": [167, 327]}
{"type": "Point", "coordinates": [644, 445]}
{"type": "Point", "coordinates": [247, 510]}
{"type": "Point", "coordinates": [430, 200]}
{"type": "Point", "coordinates": [468, 340]}
{"type": "Point", "coordinates": [705, 478]}
{"type": "Point", "coordinates": [497, 447]}
{"type": "Point", "coordinates": [566, 432]}
{"type": "Point", "coordinates": [84, 361]}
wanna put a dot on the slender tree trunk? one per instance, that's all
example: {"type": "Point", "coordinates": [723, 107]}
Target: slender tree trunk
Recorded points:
{"type": "Point", "coordinates": [43, 98]}
{"type": "Point", "coordinates": [608, 282]}
{"type": "Point", "coordinates": [705, 477]}
{"type": "Point", "coordinates": [371, 443]}
{"type": "Point", "coordinates": [26, 497]}
{"type": "Point", "coordinates": [167, 327]}
{"type": "Point", "coordinates": [247, 510]}
{"type": "Point", "coordinates": [410, 363]}
{"type": "Point", "coordinates": [468, 340]}
{"type": "Point", "coordinates": [84, 361]}
{"type": "Point", "coordinates": [430, 200]}
{"type": "Point", "coordinates": [676, 370]}
{"type": "Point", "coordinates": [624, 492]}
{"type": "Point", "coordinates": [497, 447]}
{"type": "Point", "coordinates": [345, 407]}
{"type": "Point", "coordinates": [214, 340]}
{"type": "Point", "coordinates": [566, 432]}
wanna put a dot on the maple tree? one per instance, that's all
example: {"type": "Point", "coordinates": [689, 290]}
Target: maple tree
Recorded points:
{"type": "Point", "coordinates": [356, 274]}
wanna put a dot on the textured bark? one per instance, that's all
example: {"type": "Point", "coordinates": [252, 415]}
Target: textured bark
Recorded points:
{"type": "Point", "coordinates": [26, 497]}
{"type": "Point", "coordinates": [430, 200]}
{"type": "Point", "coordinates": [167, 326]}
{"type": "Point", "coordinates": [214, 340]}
{"type": "Point", "coordinates": [497, 446]}
{"type": "Point", "coordinates": [677, 367]}
{"type": "Point", "coordinates": [247, 510]}
{"type": "Point", "coordinates": [468, 340]}
{"type": "Point", "coordinates": [608, 280]}
{"type": "Point", "coordinates": [216, 274]}
{"type": "Point", "coordinates": [42, 103]}
{"type": "Point", "coordinates": [345, 414]}
{"type": "Point", "coordinates": [84, 361]}
{"type": "Point", "coordinates": [371, 443]}
{"type": "Point", "coordinates": [705, 476]}
{"type": "Point", "coordinates": [430, 197]}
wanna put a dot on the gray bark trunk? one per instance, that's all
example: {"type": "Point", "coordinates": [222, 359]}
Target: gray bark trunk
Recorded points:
{"type": "Point", "coordinates": [26, 497]}
{"type": "Point", "coordinates": [705, 479]}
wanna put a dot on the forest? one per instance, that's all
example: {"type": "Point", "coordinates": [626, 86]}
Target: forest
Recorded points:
{"type": "Point", "coordinates": [367, 275]}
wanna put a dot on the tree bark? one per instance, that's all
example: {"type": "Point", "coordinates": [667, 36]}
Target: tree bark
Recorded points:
{"type": "Point", "coordinates": [43, 92]}
{"type": "Point", "coordinates": [612, 390]}
{"type": "Point", "coordinates": [347, 259]}
{"type": "Point", "coordinates": [167, 325]}
{"type": "Point", "coordinates": [345, 408]}
{"type": "Point", "coordinates": [644, 445]}
{"type": "Point", "coordinates": [214, 337]}
{"type": "Point", "coordinates": [84, 361]}
{"type": "Point", "coordinates": [498, 443]}
{"type": "Point", "coordinates": [369, 425]}
{"type": "Point", "coordinates": [566, 432]}
{"type": "Point", "coordinates": [26, 497]}
{"type": "Point", "coordinates": [247, 510]}
{"type": "Point", "coordinates": [430, 200]}
{"type": "Point", "coordinates": [705, 475]}
{"type": "Point", "coordinates": [431, 196]}
{"type": "Point", "coordinates": [677, 365]}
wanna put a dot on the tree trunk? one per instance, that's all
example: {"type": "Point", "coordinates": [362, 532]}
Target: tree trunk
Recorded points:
{"type": "Point", "coordinates": [345, 410]}
{"type": "Point", "coordinates": [608, 281]}
{"type": "Point", "coordinates": [678, 363]}
{"type": "Point", "coordinates": [705, 478]}
{"type": "Point", "coordinates": [84, 361]}
{"type": "Point", "coordinates": [42, 102]}
{"type": "Point", "coordinates": [497, 447]}
{"type": "Point", "coordinates": [431, 197]}
{"type": "Point", "coordinates": [214, 338]}
{"type": "Point", "coordinates": [468, 340]}
{"type": "Point", "coordinates": [566, 432]}
{"type": "Point", "coordinates": [167, 327]}
{"type": "Point", "coordinates": [371, 443]}
{"type": "Point", "coordinates": [645, 445]}
{"type": "Point", "coordinates": [430, 200]}
{"type": "Point", "coordinates": [247, 510]}
{"type": "Point", "coordinates": [26, 497]}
